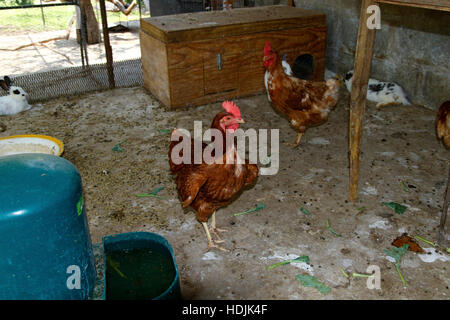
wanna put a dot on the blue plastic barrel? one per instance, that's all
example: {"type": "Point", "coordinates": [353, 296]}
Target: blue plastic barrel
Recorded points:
{"type": "Point", "coordinates": [45, 247]}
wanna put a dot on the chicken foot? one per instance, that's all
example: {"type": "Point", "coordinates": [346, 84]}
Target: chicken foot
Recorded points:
{"type": "Point", "coordinates": [297, 141]}
{"type": "Point", "coordinates": [212, 243]}
{"type": "Point", "coordinates": [213, 228]}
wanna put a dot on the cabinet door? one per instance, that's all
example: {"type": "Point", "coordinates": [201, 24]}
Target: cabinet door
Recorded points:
{"type": "Point", "coordinates": [185, 73]}
{"type": "Point", "coordinates": [221, 72]}
{"type": "Point", "coordinates": [251, 74]}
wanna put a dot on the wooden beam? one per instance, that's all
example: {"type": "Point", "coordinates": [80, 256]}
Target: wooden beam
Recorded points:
{"type": "Point", "coordinates": [214, 5]}
{"type": "Point", "coordinates": [442, 5]}
{"type": "Point", "coordinates": [363, 60]}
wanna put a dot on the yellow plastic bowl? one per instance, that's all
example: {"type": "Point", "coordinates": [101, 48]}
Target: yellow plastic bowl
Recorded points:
{"type": "Point", "coordinates": [30, 143]}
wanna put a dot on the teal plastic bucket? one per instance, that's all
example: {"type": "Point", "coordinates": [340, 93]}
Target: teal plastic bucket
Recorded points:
{"type": "Point", "coordinates": [139, 266]}
{"type": "Point", "coordinates": [45, 247]}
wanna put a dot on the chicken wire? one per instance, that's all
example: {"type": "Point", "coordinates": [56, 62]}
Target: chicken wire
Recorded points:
{"type": "Point", "coordinates": [87, 78]}
{"type": "Point", "coordinates": [77, 80]}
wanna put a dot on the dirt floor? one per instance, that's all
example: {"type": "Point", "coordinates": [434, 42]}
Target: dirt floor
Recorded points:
{"type": "Point", "coordinates": [399, 145]}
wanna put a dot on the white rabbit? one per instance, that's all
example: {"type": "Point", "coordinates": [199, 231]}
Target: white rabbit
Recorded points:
{"type": "Point", "coordinates": [383, 93]}
{"type": "Point", "coordinates": [16, 101]}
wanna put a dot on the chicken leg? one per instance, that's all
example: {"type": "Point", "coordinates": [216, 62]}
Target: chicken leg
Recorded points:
{"type": "Point", "coordinates": [299, 137]}
{"type": "Point", "coordinates": [211, 242]}
{"type": "Point", "coordinates": [214, 228]}
{"type": "Point", "coordinates": [297, 141]}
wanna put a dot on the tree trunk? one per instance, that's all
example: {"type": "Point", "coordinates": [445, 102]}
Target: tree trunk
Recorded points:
{"type": "Point", "coordinates": [92, 29]}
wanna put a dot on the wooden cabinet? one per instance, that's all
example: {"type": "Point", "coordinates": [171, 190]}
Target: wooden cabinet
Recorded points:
{"type": "Point", "coordinates": [198, 58]}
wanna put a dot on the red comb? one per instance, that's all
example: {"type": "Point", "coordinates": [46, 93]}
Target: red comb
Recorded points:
{"type": "Point", "coordinates": [232, 108]}
{"type": "Point", "coordinates": [267, 48]}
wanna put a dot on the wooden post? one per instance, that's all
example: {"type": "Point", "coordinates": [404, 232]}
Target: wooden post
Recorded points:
{"type": "Point", "coordinates": [108, 50]}
{"type": "Point", "coordinates": [441, 235]}
{"type": "Point", "coordinates": [42, 13]}
{"type": "Point", "coordinates": [363, 60]}
{"type": "Point", "coordinates": [214, 5]}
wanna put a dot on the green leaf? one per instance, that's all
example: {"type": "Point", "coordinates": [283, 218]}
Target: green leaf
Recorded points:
{"type": "Point", "coordinates": [404, 187]}
{"type": "Point", "coordinates": [301, 259]}
{"type": "Point", "coordinates": [115, 266]}
{"type": "Point", "coordinates": [80, 206]}
{"type": "Point", "coordinates": [117, 148]}
{"type": "Point", "coordinates": [426, 241]}
{"type": "Point", "coordinates": [165, 131]}
{"type": "Point", "coordinates": [298, 259]}
{"type": "Point", "coordinates": [332, 230]}
{"type": "Point", "coordinates": [362, 209]}
{"type": "Point", "coordinates": [258, 207]}
{"type": "Point", "coordinates": [360, 275]}
{"type": "Point", "coordinates": [343, 272]}
{"type": "Point", "coordinates": [305, 211]}
{"type": "Point", "coordinates": [310, 281]}
{"type": "Point", "coordinates": [397, 267]}
{"type": "Point", "coordinates": [397, 254]}
{"type": "Point", "coordinates": [152, 193]}
{"type": "Point", "coordinates": [398, 208]}
{"type": "Point", "coordinates": [142, 195]}
{"type": "Point", "coordinates": [155, 191]}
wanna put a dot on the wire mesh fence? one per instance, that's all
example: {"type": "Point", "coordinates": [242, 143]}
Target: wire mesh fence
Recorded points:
{"type": "Point", "coordinates": [77, 80]}
{"type": "Point", "coordinates": [52, 78]}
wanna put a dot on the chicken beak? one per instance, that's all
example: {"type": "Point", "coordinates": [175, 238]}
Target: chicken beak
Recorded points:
{"type": "Point", "coordinates": [240, 121]}
{"type": "Point", "coordinates": [266, 58]}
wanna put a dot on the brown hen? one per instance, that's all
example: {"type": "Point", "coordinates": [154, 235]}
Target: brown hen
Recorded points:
{"type": "Point", "coordinates": [206, 187]}
{"type": "Point", "coordinates": [306, 103]}
{"type": "Point", "coordinates": [443, 123]}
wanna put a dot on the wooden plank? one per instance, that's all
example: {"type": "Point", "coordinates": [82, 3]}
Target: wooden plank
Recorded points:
{"type": "Point", "coordinates": [443, 5]}
{"type": "Point", "coordinates": [155, 67]}
{"type": "Point", "coordinates": [186, 86]}
{"type": "Point", "coordinates": [363, 60]}
{"type": "Point", "coordinates": [236, 22]}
